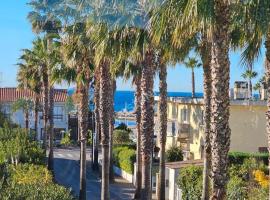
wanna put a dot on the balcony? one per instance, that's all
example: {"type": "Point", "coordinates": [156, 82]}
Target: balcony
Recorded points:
{"type": "Point", "coordinates": [183, 128]}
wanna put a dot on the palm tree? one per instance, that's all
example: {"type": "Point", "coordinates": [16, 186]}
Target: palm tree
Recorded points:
{"type": "Point", "coordinates": [29, 78]}
{"type": "Point", "coordinates": [257, 87]}
{"type": "Point", "coordinates": [97, 117]}
{"type": "Point", "coordinates": [220, 101]}
{"type": "Point", "coordinates": [78, 57]}
{"type": "Point", "coordinates": [249, 75]}
{"type": "Point", "coordinates": [26, 105]}
{"type": "Point", "coordinates": [105, 127]}
{"type": "Point", "coordinates": [192, 63]}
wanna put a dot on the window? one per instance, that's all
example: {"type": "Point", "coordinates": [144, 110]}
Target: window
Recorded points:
{"type": "Point", "coordinates": [58, 112]}
{"type": "Point", "coordinates": [202, 118]}
{"type": "Point", "coordinates": [184, 115]}
{"type": "Point", "coordinates": [174, 111]}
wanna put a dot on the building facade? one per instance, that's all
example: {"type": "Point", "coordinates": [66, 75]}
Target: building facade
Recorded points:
{"type": "Point", "coordinates": [10, 95]}
{"type": "Point", "coordinates": [186, 125]}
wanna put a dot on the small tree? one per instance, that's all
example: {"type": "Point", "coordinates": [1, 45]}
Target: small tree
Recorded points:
{"type": "Point", "coordinates": [26, 105]}
{"type": "Point", "coordinates": [174, 154]}
{"type": "Point", "coordinates": [121, 137]}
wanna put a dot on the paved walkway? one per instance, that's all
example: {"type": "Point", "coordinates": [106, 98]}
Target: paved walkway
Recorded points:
{"type": "Point", "coordinates": [67, 173]}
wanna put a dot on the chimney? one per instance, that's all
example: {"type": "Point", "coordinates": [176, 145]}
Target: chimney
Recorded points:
{"type": "Point", "coordinates": [240, 90]}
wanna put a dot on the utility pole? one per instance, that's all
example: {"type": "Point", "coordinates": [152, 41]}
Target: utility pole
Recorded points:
{"type": "Point", "coordinates": [1, 78]}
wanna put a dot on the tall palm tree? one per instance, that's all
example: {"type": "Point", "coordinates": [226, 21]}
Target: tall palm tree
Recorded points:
{"type": "Point", "coordinates": [192, 63]}
{"type": "Point", "coordinates": [249, 75]}
{"type": "Point", "coordinates": [220, 101]}
{"type": "Point", "coordinates": [97, 117]}
{"type": "Point", "coordinates": [78, 54]}
{"type": "Point", "coordinates": [105, 127]}
{"type": "Point", "coordinates": [26, 105]}
{"type": "Point", "coordinates": [29, 78]}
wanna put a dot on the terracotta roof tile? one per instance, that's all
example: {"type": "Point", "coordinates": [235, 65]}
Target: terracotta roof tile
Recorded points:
{"type": "Point", "coordinates": [13, 94]}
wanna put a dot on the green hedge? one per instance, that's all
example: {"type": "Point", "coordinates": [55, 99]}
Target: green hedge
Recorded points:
{"type": "Point", "coordinates": [124, 158]}
{"type": "Point", "coordinates": [239, 157]}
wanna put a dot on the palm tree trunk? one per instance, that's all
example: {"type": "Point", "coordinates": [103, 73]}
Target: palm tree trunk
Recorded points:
{"type": "Point", "coordinates": [36, 115]}
{"type": "Point", "coordinates": [138, 97]}
{"type": "Point", "coordinates": [27, 119]}
{"type": "Point", "coordinates": [147, 123]}
{"type": "Point", "coordinates": [45, 83]}
{"type": "Point", "coordinates": [250, 89]}
{"type": "Point", "coordinates": [83, 109]}
{"type": "Point", "coordinates": [193, 83]}
{"type": "Point", "coordinates": [51, 129]}
{"type": "Point", "coordinates": [105, 127]}
{"type": "Point", "coordinates": [220, 101]}
{"type": "Point", "coordinates": [206, 58]}
{"type": "Point", "coordinates": [162, 129]}
{"type": "Point", "coordinates": [267, 76]}
{"type": "Point", "coordinates": [97, 118]}
{"type": "Point", "coordinates": [112, 91]}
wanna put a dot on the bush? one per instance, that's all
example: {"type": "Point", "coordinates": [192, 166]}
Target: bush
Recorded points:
{"type": "Point", "coordinates": [123, 127]}
{"type": "Point", "coordinates": [16, 146]}
{"type": "Point", "coordinates": [65, 141]}
{"type": "Point", "coordinates": [29, 174]}
{"type": "Point", "coordinates": [190, 182]}
{"type": "Point", "coordinates": [174, 154]}
{"type": "Point", "coordinates": [124, 158]}
{"type": "Point", "coordinates": [121, 137]}
{"type": "Point", "coordinates": [236, 189]}
{"type": "Point", "coordinates": [31, 182]}
{"type": "Point", "coordinates": [258, 193]}
{"type": "Point", "coordinates": [239, 157]}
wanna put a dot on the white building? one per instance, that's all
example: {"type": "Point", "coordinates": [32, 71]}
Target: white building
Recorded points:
{"type": "Point", "coordinates": [9, 95]}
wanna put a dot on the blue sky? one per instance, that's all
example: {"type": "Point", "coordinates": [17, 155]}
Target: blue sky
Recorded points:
{"type": "Point", "coordinates": [16, 34]}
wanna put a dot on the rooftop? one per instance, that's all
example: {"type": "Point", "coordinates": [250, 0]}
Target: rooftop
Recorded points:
{"type": "Point", "coordinates": [13, 94]}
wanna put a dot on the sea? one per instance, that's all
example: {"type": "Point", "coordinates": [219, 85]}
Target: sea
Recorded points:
{"type": "Point", "coordinates": [124, 100]}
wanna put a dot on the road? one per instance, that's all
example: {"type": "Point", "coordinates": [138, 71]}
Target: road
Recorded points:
{"type": "Point", "coordinates": [67, 173]}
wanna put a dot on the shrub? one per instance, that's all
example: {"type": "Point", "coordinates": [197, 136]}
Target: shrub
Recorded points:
{"type": "Point", "coordinates": [236, 189]}
{"type": "Point", "coordinates": [174, 154]}
{"type": "Point", "coordinates": [124, 158]}
{"type": "Point", "coordinates": [121, 137]}
{"type": "Point", "coordinates": [123, 127]}
{"type": "Point", "coordinates": [16, 146]}
{"type": "Point", "coordinates": [190, 182]}
{"type": "Point", "coordinates": [261, 178]}
{"type": "Point", "coordinates": [65, 141]}
{"type": "Point", "coordinates": [127, 159]}
{"type": "Point", "coordinates": [258, 193]}
{"type": "Point", "coordinates": [31, 182]}
{"type": "Point", "coordinates": [239, 157]}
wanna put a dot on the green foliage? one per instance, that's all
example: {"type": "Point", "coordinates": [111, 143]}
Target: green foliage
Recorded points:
{"type": "Point", "coordinates": [256, 193]}
{"type": "Point", "coordinates": [236, 189]}
{"type": "Point", "coordinates": [124, 158]}
{"type": "Point", "coordinates": [190, 181]}
{"type": "Point", "coordinates": [174, 154]}
{"type": "Point", "coordinates": [89, 138]}
{"type": "Point", "coordinates": [24, 104]}
{"type": "Point", "coordinates": [239, 157]}
{"type": "Point", "coordinates": [36, 192]}
{"type": "Point", "coordinates": [16, 146]}
{"type": "Point", "coordinates": [65, 141]}
{"type": "Point", "coordinates": [69, 105]}
{"type": "Point", "coordinates": [31, 182]}
{"type": "Point", "coordinates": [121, 137]}
{"type": "Point", "coordinates": [124, 127]}
{"type": "Point", "coordinates": [29, 174]}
